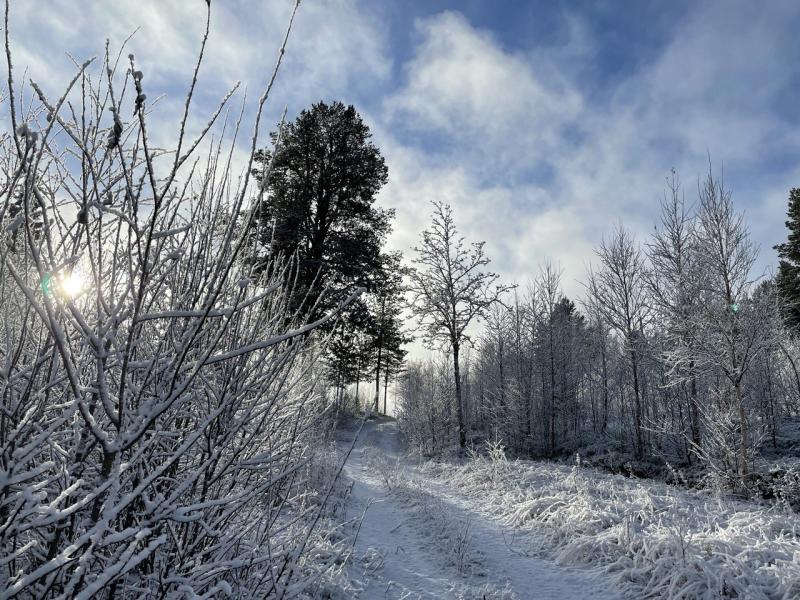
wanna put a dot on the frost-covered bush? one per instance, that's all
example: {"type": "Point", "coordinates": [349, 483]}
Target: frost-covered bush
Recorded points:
{"type": "Point", "coordinates": [158, 400]}
{"type": "Point", "coordinates": [425, 409]}
{"type": "Point", "coordinates": [659, 541]}
{"type": "Point", "coordinates": [387, 469]}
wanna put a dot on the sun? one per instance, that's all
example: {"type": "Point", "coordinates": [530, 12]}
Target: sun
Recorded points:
{"type": "Point", "coordinates": [73, 284]}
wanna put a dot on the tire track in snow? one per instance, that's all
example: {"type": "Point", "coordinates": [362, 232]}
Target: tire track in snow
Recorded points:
{"type": "Point", "coordinates": [397, 551]}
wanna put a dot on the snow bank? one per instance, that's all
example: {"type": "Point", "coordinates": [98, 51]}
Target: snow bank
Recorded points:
{"type": "Point", "coordinates": [658, 541]}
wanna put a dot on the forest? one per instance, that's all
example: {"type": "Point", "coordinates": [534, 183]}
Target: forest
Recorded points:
{"type": "Point", "coordinates": [679, 355]}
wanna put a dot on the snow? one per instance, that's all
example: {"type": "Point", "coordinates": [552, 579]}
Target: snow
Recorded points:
{"type": "Point", "coordinates": [655, 540]}
{"type": "Point", "coordinates": [421, 538]}
{"type": "Point", "coordinates": [491, 528]}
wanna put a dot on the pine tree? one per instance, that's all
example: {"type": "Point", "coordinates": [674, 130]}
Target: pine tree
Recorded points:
{"type": "Point", "coordinates": [320, 211]}
{"type": "Point", "coordinates": [788, 278]}
{"type": "Point", "coordinates": [320, 205]}
{"type": "Point", "coordinates": [387, 333]}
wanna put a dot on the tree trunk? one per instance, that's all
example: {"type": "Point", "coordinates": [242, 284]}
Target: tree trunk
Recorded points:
{"type": "Point", "coordinates": [543, 411]}
{"type": "Point", "coordinates": [637, 404]}
{"type": "Point", "coordinates": [529, 403]}
{"type": "Point", "coordinates": [378, 379]}
{"type": "Point", "coordinates": [695, 408]}
{"type": "Point", "coordinates": [744, 441]}
{"type": "Point", "coordinates": [462, 434]}
{"type": "Point", "coordinates": [358, 380]}
{"type": "Point", "coordinates": [380, 352]}
{"type": "Point", "coordinates": [605, 387]}
{"type": "Point", "coordinates": [551, 444]}
{"type": "Point", "coordinates": [771, 398]}
{"type": "Point", "coordinates": [502, 368]}
{"type": "Point", "coordinates": [385, 387]}
{"type": "Point", "coordinates": [378, 382]}
{"type": "Point", "coordinates": [338, 401]}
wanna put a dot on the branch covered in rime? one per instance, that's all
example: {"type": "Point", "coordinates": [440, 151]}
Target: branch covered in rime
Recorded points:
{"type": "Point", "coordinates": [160, 407]}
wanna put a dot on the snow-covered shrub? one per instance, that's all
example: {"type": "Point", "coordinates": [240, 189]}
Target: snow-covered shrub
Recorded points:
{"type": "Point", "coordinates": [425, 410]}
{"type": "Point", "coordinates": [388, 470]}
{"type": "Point", "coordinates": [158, 399]}
{"type": "Point", "coordinates": [494, 453]}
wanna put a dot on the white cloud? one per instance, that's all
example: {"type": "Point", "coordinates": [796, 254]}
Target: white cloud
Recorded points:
{"type": "Point", "coordinates": [336, 49]}
{"type": "Point", "coordinates": [493, 114]}
{"type": "Point", "coordinates": [487, 103]}
{"type": "Point", "coordinates": [496, 115]}
{"type": "Point", "coordinates": [511, 138]}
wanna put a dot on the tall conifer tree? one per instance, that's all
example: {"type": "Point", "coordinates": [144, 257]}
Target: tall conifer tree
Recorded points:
{"type": "Point", "coordinates": [788, 278]}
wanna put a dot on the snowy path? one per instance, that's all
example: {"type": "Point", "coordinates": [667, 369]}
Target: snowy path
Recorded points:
{"type": "Point", "coordinates": [414, 540]}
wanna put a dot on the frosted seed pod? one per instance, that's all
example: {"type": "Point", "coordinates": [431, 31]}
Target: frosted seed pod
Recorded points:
{"type": "Point", "coordinates": [139, 101]}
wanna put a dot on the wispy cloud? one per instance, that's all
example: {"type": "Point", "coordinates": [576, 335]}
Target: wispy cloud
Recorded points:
{"type": "Point", "coordinates": [540, 168]}
{"type": "Point", "coordinates": [541, 148]}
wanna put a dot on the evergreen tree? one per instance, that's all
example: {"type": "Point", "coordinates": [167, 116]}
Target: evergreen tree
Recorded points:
{"type": "Point", "coordinates": [320, 205]}
{"type": "Point", "coordinates": [788, 278]}
{"type": "Point", "coordinates": [387, 306]}
{"type": "Point", "coordinates": [320, 210]}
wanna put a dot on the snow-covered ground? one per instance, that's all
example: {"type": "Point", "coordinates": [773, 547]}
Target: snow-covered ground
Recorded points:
{"type": "Point", "coordinates": [422, 538]}
{"type": "Point", "coordinates": [488, 528]}
{"type": "Point", "coordinates": [655, 540]}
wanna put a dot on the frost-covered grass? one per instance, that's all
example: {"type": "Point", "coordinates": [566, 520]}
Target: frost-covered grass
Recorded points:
{"type": "Point", "coordinates": [658, 541]}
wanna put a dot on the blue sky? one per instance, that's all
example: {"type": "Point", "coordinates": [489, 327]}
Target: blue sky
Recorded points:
{"type": "Point", "coordinates": [543, 123]}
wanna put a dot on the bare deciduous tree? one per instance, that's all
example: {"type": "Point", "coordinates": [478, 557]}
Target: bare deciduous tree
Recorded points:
{"type": "Point", "coordinates": [674, 281]}
{"type": "Point", "coordinates": [728, 327]}
{"type": "Point", "coordinates": [619, 294]}
{"type": "Point", "coordinates": [449, 290]}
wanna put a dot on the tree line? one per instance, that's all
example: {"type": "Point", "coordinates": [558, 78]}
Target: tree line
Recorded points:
{"type": "Point", "coordinates": [677, 353]}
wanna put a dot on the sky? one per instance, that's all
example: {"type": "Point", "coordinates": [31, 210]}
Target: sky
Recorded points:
{"type": "Point", "coordinates": [544, 124]}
